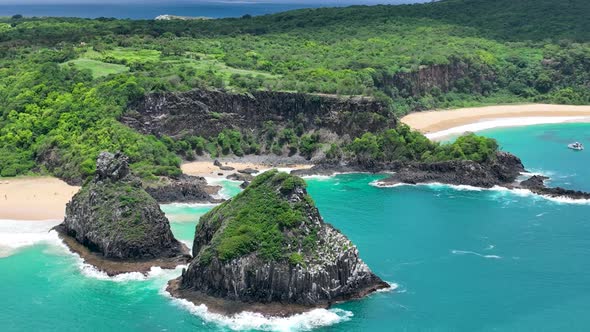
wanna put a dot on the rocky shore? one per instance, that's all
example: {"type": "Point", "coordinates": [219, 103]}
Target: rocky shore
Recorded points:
{"type": "Point", "coordinates": [183, 189]}
{"type": "Point", "coordinates": [503, 171]}
{"type": "Point", "coordinates": [536, 184]}
{"type": "Point", "coordinates": [115, 225]}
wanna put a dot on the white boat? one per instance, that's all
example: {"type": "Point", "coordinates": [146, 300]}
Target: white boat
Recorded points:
{"type": "Point", "coordinates": [576, 146]}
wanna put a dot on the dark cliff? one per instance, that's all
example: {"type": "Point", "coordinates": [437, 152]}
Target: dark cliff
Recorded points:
{"type": "Point", "coordinates": [116, 219]}
{"type": "Point", "coordinates": [269, 250]}
{"type": "Point", "coordinates": [207, 113]}
{"type": "Point", "coordinates": [458, 75]}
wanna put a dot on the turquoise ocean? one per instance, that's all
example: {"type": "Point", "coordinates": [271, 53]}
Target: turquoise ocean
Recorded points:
{"type": "Point", "coordinates": [460, 259]}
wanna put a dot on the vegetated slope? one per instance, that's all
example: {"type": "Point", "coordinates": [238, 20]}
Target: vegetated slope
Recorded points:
{"type": "Point", "coordinates": [57, 114]}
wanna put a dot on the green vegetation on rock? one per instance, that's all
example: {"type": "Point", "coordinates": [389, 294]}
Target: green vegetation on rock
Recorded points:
{"type": "Point", "coordinates": [262, 220]}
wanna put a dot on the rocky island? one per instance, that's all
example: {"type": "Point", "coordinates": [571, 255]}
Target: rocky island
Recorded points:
{"type": "Point", "coordinates": [115, 225]}
{"type": "Point", "coordinates": [268, 250]}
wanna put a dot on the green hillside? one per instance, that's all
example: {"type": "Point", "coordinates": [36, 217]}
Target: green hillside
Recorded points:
{"type": "Point", "coordinates": [65, 82]}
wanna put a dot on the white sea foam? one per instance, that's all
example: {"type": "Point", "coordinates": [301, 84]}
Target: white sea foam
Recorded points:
{"type": "Point", "coordinates": [465, 252]}
{"type": "Point", "coordinates": [254, 321]}
{"type": "Point", "coordinates": [392, 287]}
{"type": "Point", "coordinates": [502, 190]}
{"type": "Point", "coordinates": [503, 122]}
{"type": "Point", "coordinates": [15, 234]}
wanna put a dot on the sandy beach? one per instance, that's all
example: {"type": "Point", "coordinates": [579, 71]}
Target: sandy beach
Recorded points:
{"type": "Point", "coordinates": [34, 198]}
{"type": "Point", "coordinates": [436, 124]}
{"type": "Point", "coordinates": [207, 169]}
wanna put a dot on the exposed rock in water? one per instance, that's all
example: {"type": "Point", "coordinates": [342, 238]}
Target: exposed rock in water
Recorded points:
{"type": "Point", "coordinates": [240, 177]}
{"type": "Point", "coordinates": [184, 189]}
{"type": "Point", "coordinates": [536, 184]}
{"type": "Point", "coordinates": [268, 250]}
{"type": "Point", "coordinates": [113, 223]}
{"type": "Point", "coordinates": [502, 171]}
{"type": "Point", "coordinates": [249, 171]}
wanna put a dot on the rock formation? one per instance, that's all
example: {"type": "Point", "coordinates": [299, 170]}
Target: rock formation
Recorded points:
{"type": "Point", "coordinates": [112, 219]}
{"type": "Point", "coordinates": [536, 184]}
{"type": "Point", "coordinates": [269, 250]}
{"type": "Point", "coordinates": [183, 189]}
{"type": "Point", "coordinates": [206, 113]}
{"type": "Point", "coordinates": [502, 171]}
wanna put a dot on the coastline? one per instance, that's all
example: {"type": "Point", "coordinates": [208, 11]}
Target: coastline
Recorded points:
{"type": "Point", "coordinates": [207, 169]}
{"type": "Point", "coordinates": [41, 198]}
{"type": "Point", "coordinates": [439, 124]}
{"type": "Point", "coordinates": [34, 198]}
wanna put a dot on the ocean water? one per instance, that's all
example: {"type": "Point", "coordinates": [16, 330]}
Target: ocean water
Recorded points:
{"type": "Point", "coordinates": [461, 260]}
{"type": "Point", "coordinates": [150, 9]}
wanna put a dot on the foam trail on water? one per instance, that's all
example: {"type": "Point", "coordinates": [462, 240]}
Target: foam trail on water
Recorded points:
{"type": "Point", "coordinates": [464, 252]}
{"type": "Point", "coordinates": [254, 321]}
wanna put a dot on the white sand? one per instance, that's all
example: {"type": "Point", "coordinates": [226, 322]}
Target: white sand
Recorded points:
{"type": "Point", "coordinates": [504, 122]}
{"type": "Point", "coordinates": [437, 124]}
{"type": "Point", "coordinates": [34, 198]}
{"type": "Point", "coordinates": [207, 169]}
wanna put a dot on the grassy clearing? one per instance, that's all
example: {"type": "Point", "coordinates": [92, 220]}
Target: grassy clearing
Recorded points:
{"type": "Point", "coordinates": [98, 68]}
{"type": "Point", "coordinates": [133, 55]}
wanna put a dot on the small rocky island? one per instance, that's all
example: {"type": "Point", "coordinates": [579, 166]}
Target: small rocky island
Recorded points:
{"type": "Point", "coordinates": [115, 225]}
{"type": "Point", "coordinates": [268, 250]}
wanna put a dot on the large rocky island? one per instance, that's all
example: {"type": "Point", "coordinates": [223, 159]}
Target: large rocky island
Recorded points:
{"type": "Point", "coordinates": [268, 250]}
{"type": "Point", "coordinates": [115, 225]}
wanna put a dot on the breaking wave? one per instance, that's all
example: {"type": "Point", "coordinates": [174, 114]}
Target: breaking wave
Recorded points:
{"type": "Point", "coordinates": [254, 321]}
{"type": "Point", "coordinates": [16, 234]}
{"type": "Point", "coordinates": [516, 191]}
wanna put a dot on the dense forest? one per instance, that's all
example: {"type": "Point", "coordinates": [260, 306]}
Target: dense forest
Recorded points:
{"type": "Point", "coordinates": [66, 82]}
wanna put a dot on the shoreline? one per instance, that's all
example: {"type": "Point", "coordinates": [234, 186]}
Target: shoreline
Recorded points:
{"type": "Point", "coordinates": [34, 198]}
{"type": "Point", "coordinates": [206, 168]}
{"type": "Point", "coordinates": [437, 125]}
{"type": "Point", "coordinates": [116, 267]}
{"type": "Point", "coordinates": [42, 198]}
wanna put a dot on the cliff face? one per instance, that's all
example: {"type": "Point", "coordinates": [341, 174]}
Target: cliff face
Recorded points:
{"type": "Point", "coordinates": [269, 245]}
{"type": "Point", "coordinates": [114, 217]}
{"type": "Point", "coordinates": [444, 78]}
{"type": "Point", "coordinates": [206, 113]}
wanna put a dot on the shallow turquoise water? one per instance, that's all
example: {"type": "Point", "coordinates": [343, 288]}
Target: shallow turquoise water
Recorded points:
{"type": "Point", "coordinates": [463, 260]}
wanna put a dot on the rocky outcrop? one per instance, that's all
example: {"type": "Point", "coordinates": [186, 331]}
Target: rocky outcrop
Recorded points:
{"type": "Point", "coordinates": [536, 184]}
{"type": "Point", "coordinates": [457, 75]}
{"type": "Point", "coordinates": [112, 219]}
{"type": "Point", "coordinates": [269, 250]}
{"type": "Point", "coordinates": [183, 189]}
{"type": "Point", "coordinates": [503, 170]}
{"type": "Point", "coordinates": [206, 113]}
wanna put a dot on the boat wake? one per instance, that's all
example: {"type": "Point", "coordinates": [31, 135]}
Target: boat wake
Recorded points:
{"type": "Point", "coordinates": [464, 252]}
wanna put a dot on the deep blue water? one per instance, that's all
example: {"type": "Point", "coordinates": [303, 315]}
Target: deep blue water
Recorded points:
{"type": "Point", "coordinates": [149, 10]}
